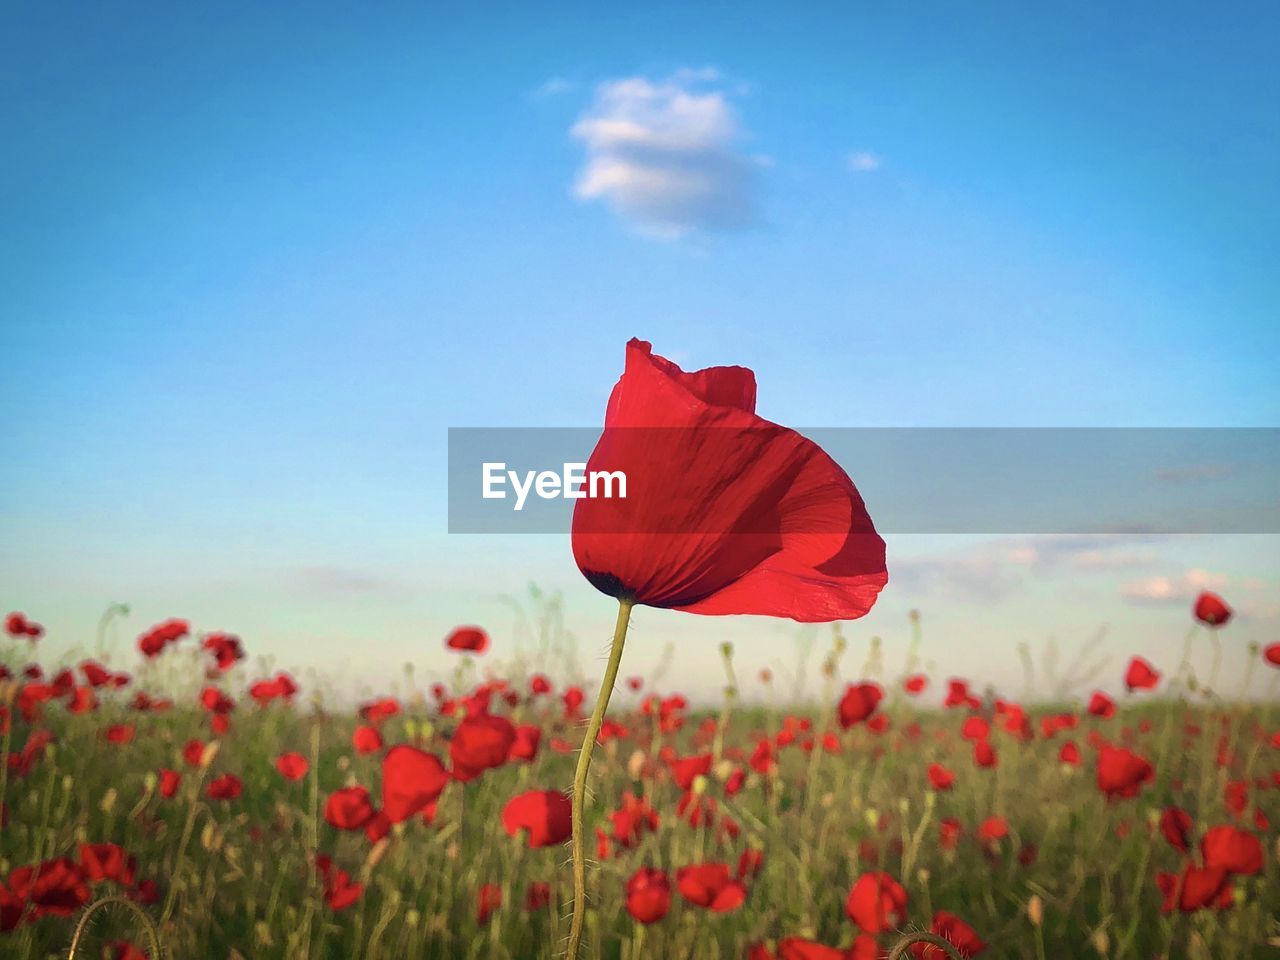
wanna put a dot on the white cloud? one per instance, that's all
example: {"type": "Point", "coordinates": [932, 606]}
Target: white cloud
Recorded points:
{"type": "Point", "coordinates": [1172, 590]}
{"type": "Point", "coordinates": [553, 86]}
{"type": "Point", "coordinates": [663, 154]}
{"type": "Point", "coordinates": [864, 161]}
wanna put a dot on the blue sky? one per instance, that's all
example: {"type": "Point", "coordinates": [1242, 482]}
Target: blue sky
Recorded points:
{"type": "Point", "coordinates": [254, 263]}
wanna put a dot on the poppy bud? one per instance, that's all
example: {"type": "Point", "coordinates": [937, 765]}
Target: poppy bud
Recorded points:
{"type": "Point", "coordinates": [726, 650]}
{"type": "Point", "coordinates": [699, 785]}
{"type": "Point", "coordinates": [1035, 910]}
{"type": "Point", "coordinates": [108, 800]}
{"type": "Point", "coordinates": [1101, 942]}
{"type": "Point", "coordinates": [207, 754]}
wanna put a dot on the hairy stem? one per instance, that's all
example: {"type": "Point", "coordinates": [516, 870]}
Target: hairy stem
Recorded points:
{"type": "Point", "coordinates": [580, 779]}
{"type": "Point", "coordinates": [149, 929]}
{"type": "Point", "coordinates": [902, 946]}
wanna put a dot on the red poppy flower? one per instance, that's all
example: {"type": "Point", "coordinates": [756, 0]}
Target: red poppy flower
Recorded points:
{"type": "Point", "coordinates": [940, 778]}
{"type": "Point", "coordinates": [339, 891]}
{"type": "Point", "coordinates": [119, 733]}
{"type": "Point", "coordinates": [225, 648]}
{"type": "Point", "coordinates": [958, 695]}
{"type": "Point", "coordinates": [949, 833]}
{"type": "Point", "coordinates": [876, 903]}
{"type": "Point", "coordinates": [1122, 773]}
{"type": "Point", "coordinates": [1100, 705]}
{"type": "Point", "coordinates": [544, 814]}
{"type": "Point", "coordinates": [915, 684]}
{"type": "Point", "coordinates": [539, 684]}
{"type": "Point", "coordinates": [366, 740]}
{"type": "Point", "coordinates": [153, 642]}
{"type": "Point", "coordinates": [107, 861]}
{"type": "Point", "coordinates": [993, 829]}
{"type": "Point", "coordinates": [480, 743]}
{"type": "Point", "coordinates": [488, 899]}
{"type": "Point", "coordinates": [1198, 888]}
{"type": "Point", "coordinates": [858, 703]}
{"type": "Point", "coordinates": [348, 808]}
{"type": "Point", "coordinates": [55, 887]}
{"type": "Point", "coordinates": [467, 640]}
{"type": "Point", "coordinates": [225, 787]}
{"type": "Point", "coordinates": [1271, 654]}
{"type": "Point", "coordinates": [1233, 850]}
{"type": "Point", "coordinates": [1069, 753]}
{"type": "Point", "coordinates": [710, 885]}
{"type": "Point", "coordinates": [169, 782]}
{"type": "Point", "coordinates": [1212, 610]}
{"type": "Point", "coordinates": [686, 769]}
{"type": "Point", "coordinates": [1175, 824]}
{"type": "Point", "coordinates": [984, 755]}
{"type": "Point", "coordinates": [648, 895]}
{"type": "Point", "coordinates": [956, 932]}
{"type": "Point", "coordinates": [725, 512]}
{"type": "Point", "coordinates": [123, 950]}
{"type": "Point", "coordinates": [537, 896]}
{"type": "Point", "coordinates": [292, 766]}
{"type": "Point", "coordinates": [1141, 675]}
{"type": "Point", "coordinates": [412, 781]}
{"type": "Point", "coordinates": [95, 674]}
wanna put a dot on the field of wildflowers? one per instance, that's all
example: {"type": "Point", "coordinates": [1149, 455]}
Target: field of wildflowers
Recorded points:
{"type": "Point", "coordinates": [240, 815]}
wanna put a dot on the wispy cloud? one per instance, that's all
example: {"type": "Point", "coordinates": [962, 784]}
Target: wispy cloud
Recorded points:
{"type": "Point", "coordinates": [1183, 588]}
{"type": "Point", "coordinates": [665, 154]}
{"type": "Point", "coordinates": [864, 161]}
{"type": "Point", "coordinates": [552, 87]}
{"type": "Point", "coordinates": [329, 581]}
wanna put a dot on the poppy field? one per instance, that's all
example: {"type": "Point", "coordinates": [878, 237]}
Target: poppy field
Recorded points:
{"type": "Point", "coordinates": [191, 804]}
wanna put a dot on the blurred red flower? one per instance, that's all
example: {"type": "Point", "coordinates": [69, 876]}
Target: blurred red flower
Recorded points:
{"type": "Point", "coordinates": [1231, 849]}
{"type": "Point", "coordinates": [1212, 610]}
{"type": "Point", "coordinates": [226, 787]}
{"type": "Point", "coordinates": [348, 808]}
{"type": "Point", "coordinates": [648, 895]}
{"type": "Point", "coordinates": [940, 778]}
{"type": "Point", "coordinates": [1141, 675]}
{"type": "Point", "coordinates": [544, 814]}
{"type": "Point", "coordinates": [366, 740]}
{"type": "Point", "coordinates": [467, 640]}
{"type": "Point", "coordinates": [1175, 824]}
{"type": "Point", "coordinates": [858, 703]}
{"type": "Point", "coordinates": [292, 766]}
{"type": "Point", "coordinates": [480, 743]}
{"type": "Point", "coordinates": [1122, 773]}
{"type": "Point", "coordinates": [956, 932]}
{"type": "Point", "coordinates": [876, 903]}
{"type": "Point", "coordinates": [710, 885]}
{"type": "Point", "coordinates": [412, 780]}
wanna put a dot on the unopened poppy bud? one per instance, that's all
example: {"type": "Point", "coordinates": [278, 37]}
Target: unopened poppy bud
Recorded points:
{"type": "Point", "coordinates": [208, 753]}
{"type": "Point", "coordinates": [426, 729]}
{"type": "Point", "coordinates": [108, 800]}
{"type": "Point", "coordinates": [262, 932]}
{"type": "Point", "coordinates": [1254, 648]}
{"type": "Point", "coordinates": [872, 817]}
{"type": "Point", "coordinates": [699, 785]}
{"type": "Point", "coordinates": [343, 763]}
{"type": "Point", "coordinates": [731, 694]}
{"type": "Point", "coordinates": [1035, 910]}
{"type": "Point", "coordinates": [67, 783]}
{"type": "Point", "coordinates": [377, 853]}
{"type": "Point", "coordinates": [923, 875]}
{"type": "Point", "coordinates": [149, 781]}
{"type": "Point", "coordinates": [409, 727]}
{"type": "Point", "coordinates": [411, 917]}
{"type": "Point", "coordinates": [1101, 942]}
{"type": "Point", "coordinates": [723, 770]}
{"type": "Point", "coordinates": [635, 764]}
{"type": "Point", "coordinates": [726, 650]}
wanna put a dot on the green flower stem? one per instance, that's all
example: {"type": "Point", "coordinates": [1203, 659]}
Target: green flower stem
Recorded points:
{"type": "Point", "coordinates": [580, 779]}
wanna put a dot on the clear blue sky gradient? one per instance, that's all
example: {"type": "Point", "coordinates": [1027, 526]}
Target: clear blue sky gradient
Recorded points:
{"type": "Point", "coordinates": [254, 262]}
